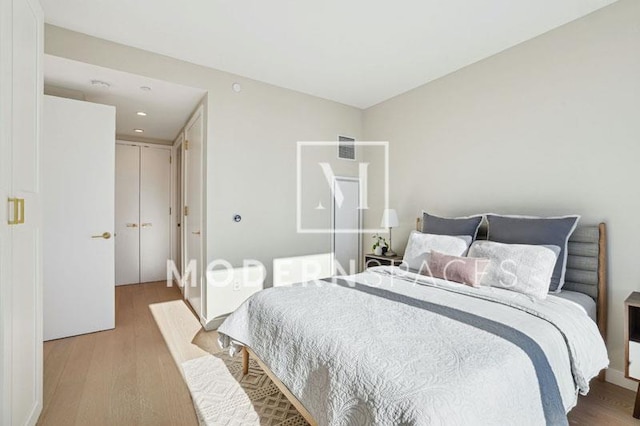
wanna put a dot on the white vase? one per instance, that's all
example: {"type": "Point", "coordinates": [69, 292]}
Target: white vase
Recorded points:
{"type": "Point", "coordinates": [378, 251]}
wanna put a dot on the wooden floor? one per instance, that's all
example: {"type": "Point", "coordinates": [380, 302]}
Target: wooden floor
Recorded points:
{"type": "Point", "coordinates": [125, 376]}
{"type": "Point", "coordinates": [606, 404]}
{"type": "Point", "coordinates": [128, 376]}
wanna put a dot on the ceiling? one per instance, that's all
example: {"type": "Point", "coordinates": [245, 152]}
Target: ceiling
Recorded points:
{"type": "Point", "coordinates": [167, 105]}
{"type": "Point", "coordinates": [358, 52]}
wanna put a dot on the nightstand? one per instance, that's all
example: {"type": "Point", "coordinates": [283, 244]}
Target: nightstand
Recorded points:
{"type": "Point", "coordinates": [375, 260]}
{"type": "Point", "coordinates": [632, 343]}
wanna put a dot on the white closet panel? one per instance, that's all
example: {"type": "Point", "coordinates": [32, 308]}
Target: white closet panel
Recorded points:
{"type": "Point", "coordinates": [155, 223]}
{"type": "Point", "coordinates": [127, 214]}
{"type": "Point", "coordinates": [21, 38]}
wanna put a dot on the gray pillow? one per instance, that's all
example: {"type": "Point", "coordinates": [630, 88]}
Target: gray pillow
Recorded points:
{"type": "Point", "coordinates": [455, 226]}
{"type": "Point", "coordinates": [554, 231]}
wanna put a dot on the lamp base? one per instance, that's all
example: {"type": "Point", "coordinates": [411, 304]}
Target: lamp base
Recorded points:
{"type": "Point", "coordinates": [390, 253]}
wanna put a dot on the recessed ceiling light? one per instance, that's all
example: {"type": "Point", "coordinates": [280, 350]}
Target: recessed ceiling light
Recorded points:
{"type": "Point", "coordinates": [236, 87]}
{"type": "Point", "coordinates": [138, 130]}
{"type": "Point", "coordinates": [141, 113]}
{"type": "Point", "coordinates": [101, 84]}
{"type": "Point", "coordinates": [145, 88]}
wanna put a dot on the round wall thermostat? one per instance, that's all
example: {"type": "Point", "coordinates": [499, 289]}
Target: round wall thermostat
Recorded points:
{"type": "Point", "coordinates": [237, 218]}
{"type": "Point", "coordinates": [236, 87]}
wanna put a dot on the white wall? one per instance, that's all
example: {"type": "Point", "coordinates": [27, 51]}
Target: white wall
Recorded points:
{"type": "Point", "coordinates": [251, 151]}
{"type": "Point", "coordinates": [551, 126]}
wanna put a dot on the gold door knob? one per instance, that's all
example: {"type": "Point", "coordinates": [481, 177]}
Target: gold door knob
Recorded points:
{"type": "Point", "coordinates": [146, 225]}
{"type": "Point", "coordinates": [132, 225]}
{"type": "Point", "coordinates": [105, 235]}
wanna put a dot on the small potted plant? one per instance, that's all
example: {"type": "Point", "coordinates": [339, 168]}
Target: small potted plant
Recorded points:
{"type": "Point", "coordinates": [380, 245]}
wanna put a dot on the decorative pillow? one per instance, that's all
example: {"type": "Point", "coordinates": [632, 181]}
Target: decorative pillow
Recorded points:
{"type": "Point", "coordinates": [420, 245]}
{"type": "Point", "coordinates": [455, 226]}
{"type": "Point", "coordinates": [464, 270]}
{"type": "Point", "coordinates": [519, 267]}
{"type": "Point", "coordinates": [553, 231]}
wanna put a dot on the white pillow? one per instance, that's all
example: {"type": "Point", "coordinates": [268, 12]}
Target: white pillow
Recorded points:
{"type": "Point", "coordinates": [519, 267]}
{"type": "Point", "coordinates": [420, 245]}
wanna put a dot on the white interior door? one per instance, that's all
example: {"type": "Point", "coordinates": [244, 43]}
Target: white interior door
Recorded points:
{"type": "Point", "coordinates": [127, 240]}
{"type": "Point", "coordinates": [21, 35]}
{"type": "Point", "coordinates": [78, 175]}
{"type": "Point", "coordinates": [155, 209]}
{"type": "Point", "coordinates": [346, 225]}
{"type": "Point", "coordinates": [193, 202]}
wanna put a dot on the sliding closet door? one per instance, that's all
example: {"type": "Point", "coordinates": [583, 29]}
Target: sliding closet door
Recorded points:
{"type": "Point", "coordinates": [127, 214]}
{"type": "Point", "coordinates": [155, 213]}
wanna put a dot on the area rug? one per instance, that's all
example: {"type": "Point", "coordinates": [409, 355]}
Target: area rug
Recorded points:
{"type": "Point", "coordinates": [222, 396]}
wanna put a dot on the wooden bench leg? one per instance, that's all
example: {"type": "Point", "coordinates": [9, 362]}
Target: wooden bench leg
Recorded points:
{"type": "Point", "coordinates": [636, 408]}
{"type": "Point", "coordinates": [245, 361]}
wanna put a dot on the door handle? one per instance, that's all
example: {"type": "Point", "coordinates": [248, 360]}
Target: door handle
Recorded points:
{"type": "Point", "coordinates": [105, 235]}
{"type": "Point", "coordinates": [196, 233]}
{"type": "Point", "coordinates": [146, 225]}
{"type": "Point", "coordinates": [18, 211]}
{"type": "Point", "coordinates": [132, 225]}
{"type": "Point", "coordinates": [16, 215]}
{"type": "Point", "coordinates": [21, 205]}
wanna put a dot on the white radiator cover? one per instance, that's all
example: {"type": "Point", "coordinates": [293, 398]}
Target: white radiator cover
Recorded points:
{"type": "Point", "coordinates": [290, 270]}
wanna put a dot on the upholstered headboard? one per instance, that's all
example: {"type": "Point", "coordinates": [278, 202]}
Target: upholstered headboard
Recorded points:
{"type": "Point", "coordinates": [586, 266]}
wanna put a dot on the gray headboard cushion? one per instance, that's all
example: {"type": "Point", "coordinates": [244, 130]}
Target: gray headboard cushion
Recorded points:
{"type": "Point", "coordinates": [582, 262]}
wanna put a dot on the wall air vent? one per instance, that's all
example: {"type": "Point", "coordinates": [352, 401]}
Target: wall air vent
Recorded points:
{"type": "Point", "coordinates": [346, 148]}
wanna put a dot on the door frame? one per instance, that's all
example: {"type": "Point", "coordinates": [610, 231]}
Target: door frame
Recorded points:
{"type": "Point", "coordinates": [178, 204]}
{"type": "Point", "coordinates": [333, 215]}
{"type": "Point", "coordinates": [177, 185]}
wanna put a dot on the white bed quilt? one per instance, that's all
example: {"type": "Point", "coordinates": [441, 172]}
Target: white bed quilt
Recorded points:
{"type": "Point", "coordinates": [390, 347]}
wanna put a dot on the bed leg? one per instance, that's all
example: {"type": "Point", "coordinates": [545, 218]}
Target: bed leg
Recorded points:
{"type": "Point", "coordinates": [245, 361]}
{"type": "Point", "coordinates": [636, 407]}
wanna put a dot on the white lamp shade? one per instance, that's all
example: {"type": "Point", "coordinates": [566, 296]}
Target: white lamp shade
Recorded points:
{"type": "Point", "coordinates": [389, 219]}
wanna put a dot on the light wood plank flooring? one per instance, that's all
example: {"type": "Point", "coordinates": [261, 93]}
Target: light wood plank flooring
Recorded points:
{"type": "Point", "coordinates": [128, 376]}
{"type": "Point", "coordinates": [124, 376]}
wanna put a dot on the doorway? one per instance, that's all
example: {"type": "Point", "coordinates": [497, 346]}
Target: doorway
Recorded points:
{"type": "Point", "coordinates": [147, 177]}
{"type": "Point", "coordinates": [346, 220]}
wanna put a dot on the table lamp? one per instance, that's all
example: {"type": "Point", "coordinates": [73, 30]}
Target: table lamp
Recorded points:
{"type": "Point", "coordinates": [389, 220]}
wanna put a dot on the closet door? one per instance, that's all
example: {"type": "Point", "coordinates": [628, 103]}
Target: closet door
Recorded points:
{"type": "Point", "coordinates": [127, 214]}
{"type": "Point", "coordinates": [21, 36]}
{"type": "Point", "coordinates": [155, 213]}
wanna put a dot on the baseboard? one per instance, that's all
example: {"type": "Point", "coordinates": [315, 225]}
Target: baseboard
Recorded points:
{"type": "Point", "coordinates": [617, 378]}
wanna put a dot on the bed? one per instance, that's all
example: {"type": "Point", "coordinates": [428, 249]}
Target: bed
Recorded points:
{"type": "Point", "coordinates": [374, 348]}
